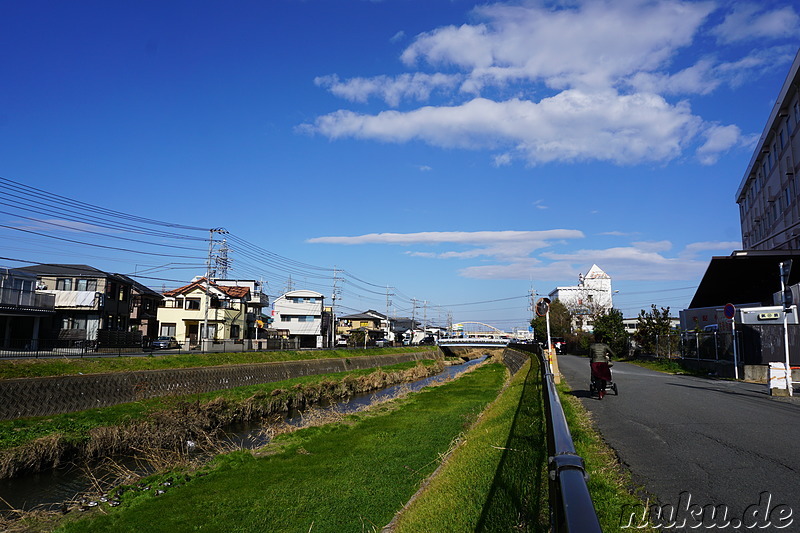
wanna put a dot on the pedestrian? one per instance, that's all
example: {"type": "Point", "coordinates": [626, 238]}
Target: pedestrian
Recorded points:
{"type": "Point", "coordinates": [600, 363]}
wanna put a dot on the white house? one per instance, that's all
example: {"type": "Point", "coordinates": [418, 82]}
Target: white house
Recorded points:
{"type": "Point", "coordinates": [300, 312]}
{"type": "Point", "coordinates": [590, 297]}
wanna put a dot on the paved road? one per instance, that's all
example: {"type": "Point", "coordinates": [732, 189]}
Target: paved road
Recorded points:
{"type": "Point", "coordinates": [722, 442]}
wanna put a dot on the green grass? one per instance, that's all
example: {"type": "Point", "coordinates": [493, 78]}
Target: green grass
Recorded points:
{"type": "Point", "coordinates": [609, 484]}
{"type": "Point", "coordinates": [351, 476]}
{"type": "Point", "coordinates": [75, 427]}
{"type": "Point", "coordinates": [30, 368]}
{"type": "Point", "coordinates": [670, 366]}
{"type": "Point", "coordinates": [497, 480]}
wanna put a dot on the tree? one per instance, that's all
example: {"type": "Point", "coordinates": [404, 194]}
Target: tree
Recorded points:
{"type": "Point", "coordinates": [610, 328]}
{"type": "Point", "coordinates": [650, 327]}
{"type": "Point", "coordinates": [560, 322]}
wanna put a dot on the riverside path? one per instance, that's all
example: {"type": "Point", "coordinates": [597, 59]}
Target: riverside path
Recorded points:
{"type": "Point", "coordinates": [693, 442]}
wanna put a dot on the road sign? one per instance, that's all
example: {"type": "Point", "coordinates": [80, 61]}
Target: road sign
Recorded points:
{"type": "Point", "coordinates": [542, 306]}
{"type": "Point", "coordinates": [730, 311]}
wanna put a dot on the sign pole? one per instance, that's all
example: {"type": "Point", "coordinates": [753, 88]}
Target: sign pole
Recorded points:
{"type": "Point", "coordinates": [785, 267]}
{"type": "Point", "coordinates": [730, 312]}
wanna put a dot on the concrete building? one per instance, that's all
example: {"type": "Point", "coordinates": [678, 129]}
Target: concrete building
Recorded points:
{"type": "Point", "coordinates": [592, 296]}
{"type": "Point", "coordinates": [769, 210]}
{"type": "Point", "coordinates": [300, 312]}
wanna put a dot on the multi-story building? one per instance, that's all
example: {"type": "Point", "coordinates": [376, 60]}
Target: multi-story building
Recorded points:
{"type": "Point", "coordinates": [185, 312]}
{"type": "Point", "coordinates": [769, 210]}
{"type": "Point", "coordinates": [22, 310]}
{"type": "Point", "coordinates": [300, 313]}
{"type": "Point", "coordinates": [87, 300]}
{"type": "Point", "coordinates": [592, 296]}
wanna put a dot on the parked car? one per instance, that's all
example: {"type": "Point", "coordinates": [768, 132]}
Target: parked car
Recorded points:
{"type": "Point", "coordinates": [163, 343]}
{"type": "Point", "coordinates": [429, 341]}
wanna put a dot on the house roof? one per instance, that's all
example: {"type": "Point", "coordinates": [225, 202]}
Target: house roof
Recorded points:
{"type": "Point", "coordinates": [744, 277]}
{"type": "Point", "coordinates": [142, 289]}
{"type": "Point", "coordinates": [51, 269]}
{"type": "Point", "coordinates": [233, 292]}
{"type": "Point", "coordinates": [360, 316]}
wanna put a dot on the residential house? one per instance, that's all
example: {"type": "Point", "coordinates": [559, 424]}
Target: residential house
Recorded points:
{"type": "Point", "coordinates": [376, 325]}
{"type": "Point", "coordinates": [22, 310]}
{"type": "Point", "coordinates": [144, 305]}
{"type": "Point", "coordinates": [223, 308]}
{"type": "Point", "coordinates": [300, 312]}
{"type": "Point", "coordinates": [89, 303]}
{"type": "Point", "coordinates": [257, 321]}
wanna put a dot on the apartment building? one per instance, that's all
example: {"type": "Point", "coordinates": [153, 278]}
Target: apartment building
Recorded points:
{"type": "Point", "coordinates": [300, 313]}
{"type": "Point", "coordinates": [769, 210]}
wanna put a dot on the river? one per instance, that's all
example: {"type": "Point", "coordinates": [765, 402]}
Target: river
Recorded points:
{"type": "Point", "coordinates": [51, 489]}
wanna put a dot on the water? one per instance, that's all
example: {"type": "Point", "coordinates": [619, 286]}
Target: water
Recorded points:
{"type": "Point", "coordinates": [51, 488]}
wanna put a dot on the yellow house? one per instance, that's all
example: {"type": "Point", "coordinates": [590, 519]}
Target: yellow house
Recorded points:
{"type": "Point", "coordinates": [185, 310]}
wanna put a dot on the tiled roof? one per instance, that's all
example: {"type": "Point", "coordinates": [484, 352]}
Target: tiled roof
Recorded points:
{"type": "Point", "coordinates": [233, 292]}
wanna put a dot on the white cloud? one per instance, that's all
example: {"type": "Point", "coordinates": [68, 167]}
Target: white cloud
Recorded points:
{"type": "Point", "coordinates": [748, 21]}
{"type": "Point", "coordinates": [392, 90]}
{"type": "Point", "coordinates": [458, 237]}
{"type": "Point", "coordinates": [590, 79]}
{"type": "Point", "coordinates": [719, 139]}
{"type": "Point", "coordinates": [571, 126]}
{"type": "Point", "coordinates": [580, 44]}
{"type": "Point", "coordinates": [397, 37]}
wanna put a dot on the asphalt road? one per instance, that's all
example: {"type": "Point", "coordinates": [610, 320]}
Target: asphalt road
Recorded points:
{"type": "Point", "coordinates": [718, 442]}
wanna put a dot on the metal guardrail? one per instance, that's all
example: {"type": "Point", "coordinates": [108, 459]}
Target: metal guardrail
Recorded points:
{"type": "Point", "coordinates": [571, 507]}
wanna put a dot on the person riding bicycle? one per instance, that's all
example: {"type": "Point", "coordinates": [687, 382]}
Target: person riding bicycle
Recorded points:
{"type": "Point", "coordinates": [600, 363]}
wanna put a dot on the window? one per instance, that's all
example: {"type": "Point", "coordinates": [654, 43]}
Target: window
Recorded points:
{"type": "Point", "coordinates": [64, 284]}
{"type": "Point", "coordinates": [192, 303]}
{"type": "Point", "coordinates": [79, 323]}
{"type": "Point", "coordinates": [235, 331]}
{"type": "Point", "coordinates": [168, 330]}
{"type": "Point", "coordinates": [86, 285]}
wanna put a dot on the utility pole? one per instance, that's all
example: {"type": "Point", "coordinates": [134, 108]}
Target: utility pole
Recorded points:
{"type": "Point", "coordinates": [334, 295]}
{"type": "Point", "coordinates": [413, 319]}
{"type": "Point", "coordinates": [211, 232]}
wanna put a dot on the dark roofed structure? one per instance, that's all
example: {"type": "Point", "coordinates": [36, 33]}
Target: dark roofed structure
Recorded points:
{"type": "Point", "coordinates": [744, 277]}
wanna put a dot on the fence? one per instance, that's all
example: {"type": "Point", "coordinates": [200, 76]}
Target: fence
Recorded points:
{"type": "Point", "coordinates": [571, 507]}
{"type": "Point", "coordinates": [47, 348]}
{"type": "Point", "coordinates": [699, 345]}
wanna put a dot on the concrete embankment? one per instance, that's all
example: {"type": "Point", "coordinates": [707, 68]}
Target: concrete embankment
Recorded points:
{"type": "Point", "coordinates": [63, 394]}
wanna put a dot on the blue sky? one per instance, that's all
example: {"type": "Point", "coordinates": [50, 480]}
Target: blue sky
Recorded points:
{"type": "Point", "coordinates": [453, 151]}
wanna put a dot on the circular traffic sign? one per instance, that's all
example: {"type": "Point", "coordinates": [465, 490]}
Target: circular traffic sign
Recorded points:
{"type": "Point", "coordinates": [730, 311]}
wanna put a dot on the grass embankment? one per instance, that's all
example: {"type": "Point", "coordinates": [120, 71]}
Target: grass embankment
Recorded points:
{"type": "Point", "coordinates": [497, 479]}
{"type": "Point", "coordinates": [349, 476]}
{"type": "Point", "coordinates": [609, 483]}
{"type": "Point", "coordinates": [32, 444]}
{"type": "Point", "coordinates": [32, 368]}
